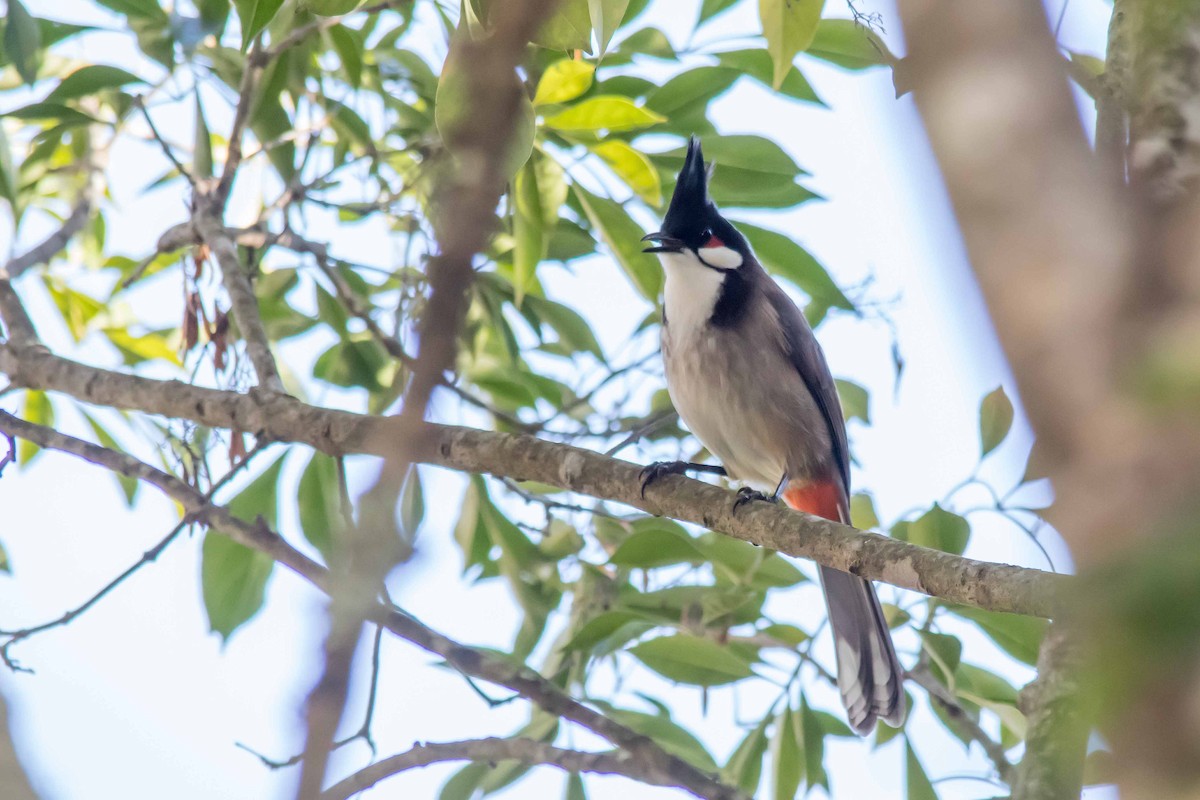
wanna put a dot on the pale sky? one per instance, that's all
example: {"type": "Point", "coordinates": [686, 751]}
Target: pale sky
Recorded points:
{"type": "Point", "coordinates": [136, 700]}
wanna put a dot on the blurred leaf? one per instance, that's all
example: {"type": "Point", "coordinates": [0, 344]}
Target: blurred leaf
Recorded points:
{"type": "Point", "coordinates": [995, 419]}
{"type": "Point", "coordinates": [51, 111]}
{"type": "Point", "coordinates": [757, 64]}
{"type": "Point", "coordinates": [349, 46]}
{"type": "Point", "coordinates": [89, 80]}
{"type": "Point", "coordinates": [147, 347]}
{"type": "Point", "coordinates": [318, 501]}
{"type": "Point", "coordinates": [330, 8]}
{"type": "Point", "coordinates": [710, 8]}
{"type": "Point", "coordinates": [454, 112]}
{"type": "Point", "coordinates": [788, 634]}
{"type": "Point", "coordinates": [656, 543]}
{"type": "Point", "coordinates": [202, 155]}
{"type": "Point", "coordinates": [573, 330]}
{"type": "Point", "coordinates": [606, 16]}
{"type": "Point", "coordinates": [786, 757]}
{"type": "Point", "coordinates": [916, 782]}
{"type": "Point", "coordinates": [813, 744]}
{"type": "Point", "coordinates": [672, 738]}
{"type": "Point", "coordinates": [233, 576]}
{"type": "Point", "coordinates": [862, 512]}
{"type": "Point", "coordinates": [856, 403]}
{"type": "Point", "coordinates": [462, 785]}
{"type": "Point", "coordinates": [22, 41]}
{"type": "Point", "coordinates": [783, 257]}
{"type": "Point", "coordinates": [1017, 635]}
{"type": "Point", "coordinates": [623, 237]}
{"type": "Point", "coordinates": [945, 651]}
{"type": "Point", "coordinates": [569, 28]}
{"type": "Point", "coordinates": [603, 113]}
{"type": "Point", "coordinates": [850, 45]}
{"type": "Point", "coordinates": [142, 9]}
{"type": "Point", "coordinates": [789, 27]}
{"type": "Point", "coordinates": [575, 788]}
{"type": "Point", "coordinates": [129, 486]}
{"type": "Point", "coordinates": [564, 81]}
{"type": "Point", "coordinates": [744, 563]}
{"type": "Point", "coordinates": [744, 767]}
{"type": "Point", "coordinates": [633, 167]}
{"type": "Point", "coordinates": [684, 658]}
{"type": "Point", "coordinates": [355, 362]}
{"type": "Point", "coordinates": [939, 529]}
{"type": "Point", "coordinates": [254, 15]}
{"type": "Point", "coordinates": [37, 410]}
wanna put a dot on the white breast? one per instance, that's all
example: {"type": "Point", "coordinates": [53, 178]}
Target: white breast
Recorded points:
{"type": "Point", "coordinates": [690, 293]}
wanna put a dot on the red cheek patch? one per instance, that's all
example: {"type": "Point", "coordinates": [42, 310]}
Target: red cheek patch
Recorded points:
{"type": "Point", "coordinates": [713, 241]}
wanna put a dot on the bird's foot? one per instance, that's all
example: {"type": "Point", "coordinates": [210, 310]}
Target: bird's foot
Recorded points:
{"type": "Point", "coordinates": [652, 472]}
{"type": "Point", "coordinates": [747, 495]}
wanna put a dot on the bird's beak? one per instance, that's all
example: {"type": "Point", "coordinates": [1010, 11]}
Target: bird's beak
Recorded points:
{"type": "Point", "coordinates": [666, 244]}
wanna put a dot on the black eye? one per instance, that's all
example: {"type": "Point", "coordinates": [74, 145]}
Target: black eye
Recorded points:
{"type": "Point", "coordinates": [706, 234]}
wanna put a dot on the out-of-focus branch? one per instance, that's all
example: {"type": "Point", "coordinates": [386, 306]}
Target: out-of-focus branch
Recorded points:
{"type": "Point", "coordinates": [961, 719]}
{"type": "Point", "coordinates": [1112, 96]}
{"type": "Point", "coordinates": [14, 785]}
{"type": "Point", "coordinates": [255, 63]}
{"type": "Point", "coordinates": [1052, 768]}
{"type": "Point", "coordinates": [466, 203]}
{"type": "Point", "coordinates": [1044, 234]}
{"type": "Point", "coordinates": [279, 418]}
{"type": "Point", "coordinates": [526, 751]}
{"type": "Point", "coordinates": [470, 661]}
{"type": "Point", "coordinates": [242, 299]}
{"type": "Point", "coordinates": [17, 324]}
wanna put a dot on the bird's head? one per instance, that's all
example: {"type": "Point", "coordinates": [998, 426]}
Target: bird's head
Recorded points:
{"type": "Point", "coordinates": [693, 228]}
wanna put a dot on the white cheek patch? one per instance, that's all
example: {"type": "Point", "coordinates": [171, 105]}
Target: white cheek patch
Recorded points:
{"type": "Point", "coordinates": [720, 257]}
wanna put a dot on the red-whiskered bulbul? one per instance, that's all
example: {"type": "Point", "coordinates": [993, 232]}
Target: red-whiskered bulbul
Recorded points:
{"type": "Point", "coordinates": [749, 379]}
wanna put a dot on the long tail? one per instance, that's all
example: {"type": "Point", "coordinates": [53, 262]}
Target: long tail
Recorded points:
{"type": "Point", "coordinates": [870, 677]}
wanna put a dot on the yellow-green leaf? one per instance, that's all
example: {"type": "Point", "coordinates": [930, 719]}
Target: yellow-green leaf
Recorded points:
{"type": "Point", "coordinates": [995, 419]}
{"type": "Point", "coordinates": [37, 409]}
{"type": "Point", "coordinates": [633, 167]}
{"type": "Point", "coordinates": [917, 785]}
{"type": "Point", "coordinates": [787, 759]}
{"type": "Point", "coordinates": [789, 27]}
{"type": "Point", "coordinates": [330, 8]}
{"type": "Point", "coordinates": [563, 81]}
{"type": "Point", "coordinates": [603, 113]}
{"type": "Point", "coordinates": [850, 45]}
{"type": "Point", "coordinates": [623, 237]}
{"type": "Point", "coordinates": [22, 41]}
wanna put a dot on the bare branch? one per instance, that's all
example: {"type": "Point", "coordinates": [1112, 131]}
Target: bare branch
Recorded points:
{"type": "Point", "coordinates": [527, 751]}
{"type": "Point", "coordinates": [54, 244]}
{"type": "Point", "coordinates": [241, 297]}
{"type": "Point", "coordinates": [468, 660]}
{"type": "Point", "coordinates": [996, 587]}
{"type": "Point", "coordinates": [256, 61]}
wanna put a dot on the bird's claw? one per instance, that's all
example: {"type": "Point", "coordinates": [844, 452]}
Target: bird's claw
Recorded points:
{"type": "Point", "coordinates": [747, 495]}
{"type": "Point", "coordinates": [652, 472]}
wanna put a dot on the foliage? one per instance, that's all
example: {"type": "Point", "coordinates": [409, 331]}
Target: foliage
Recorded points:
{"type": "Point", "coordinates": [361, 107]}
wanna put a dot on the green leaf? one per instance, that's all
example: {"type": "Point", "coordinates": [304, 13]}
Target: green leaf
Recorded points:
{"type": "Point", "coordinates": [599, 628]}
{"type": "Point", "coordinates": [690, 90]}
{"type": "Point", "coordinates": [412, 503]}
{"type": "Point", "coordinates": [349, 46]}
{"type": "Point", "coordinates": [569, 28]}
{"type": "Point", "coordinates": [89, 80]}
{"type": "Point", "coordinates": [331, 8]}
{"type": "Point", "coordinates": [916, 782]}
{"type": "Point", "coordinates": [202, 155]}
{"type": "Point", "coordinates": [656, 543]}
{"type": "Point", "coordinates": [789, 27]}
{"type": "Point", "coordinates": [355, 362]}
{"type": "Point", "coordinates": [564, 81]}
{"type": "Point", "coordinates": [850, 45]}
{"type": "Point", "coordinates": [574, 789]}
{"type": "Point", "coordinates": [940, 529]}
{"type": "Point", "coordinates": [675, 740]}
{"type": "Point", "coordinates": [148, 10]}
{"type": "Point", "coordinates": [573, 330]}
{"type": "Point", "coordinates": [995, 419]}
{"type": "Point", "coordinates": [255, 15]}
{"type": "Point", "coordinates": [743, 563]}
{"type": "Point", "coordinates": [538, 193]}
{"type": "Point", "coordinates": [233, 576]}
{"type": "Point", "coordinates": [856, 403]}
{"type": "Point", "coordinates": [813, 743]}
{"type": "Point", "coordinates": [945, 651]}
{"type": "Point", "coordinates": [685, 658]}
{"type": "Point", "coordinates": [462, 785]}
{"type": "Point", "coordinates": [741, 152]}
{"type": "Point", "coordinates": [66, 115]}
{"type": "Point", "coordinates": [633, 167]}
{"type": "Point", "coordinates": [1017, 635]}
{"type": "Point", "coordinates": [37, 410]}
{"type": "Point", "coordinates": [623, 237]}
{"type": "Point", "coordinates": [605, 113]}
{"type": "Point", "coordinates": [129, 486]}
{"type": "Point", "coordinates": [862, 512]}
{"type": "Point", "coordinates": [757, 64]}
{"type": "Point", "coordinates": [147, 347]}
{"type": "Point", "coordinates": [744, 767]}
{"type": "Point", "coordinates": [786, 758]}
{"type": "Point", "coordinates": [22, 41]}
{"type": "Point", "coordinates": [788, 634]}
{"type": "Point", "coordinates": [783, 257]}
{"type": "Point", "coordinates": [319, 503]}
{"type": "Point", "coordinates": [606, 16]}
{"type": "Point", "coordinates": [710, 8]}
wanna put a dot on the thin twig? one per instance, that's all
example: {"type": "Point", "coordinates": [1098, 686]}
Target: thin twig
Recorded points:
{"type": "Point", "coordinates": [163, 144]}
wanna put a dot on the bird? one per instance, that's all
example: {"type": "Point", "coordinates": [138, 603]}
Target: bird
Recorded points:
{"type": "Point", "coordinates": [749, 379]}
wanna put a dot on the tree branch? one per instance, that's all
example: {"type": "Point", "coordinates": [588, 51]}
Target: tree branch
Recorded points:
{"type": "Point", "coordinates": [471, 661]}
{"type": "Point", "coordinates": [996, 587]}
{"type": "Point", "coordinates": [1052, 768]}
{"type": "Point", "coordinates": [492, 750]}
